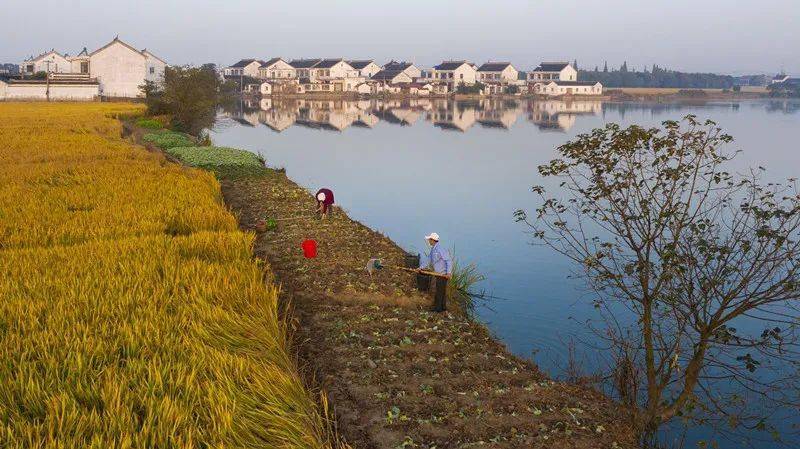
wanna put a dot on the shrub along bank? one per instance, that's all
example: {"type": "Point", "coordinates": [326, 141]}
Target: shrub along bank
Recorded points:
{"type": "Point", "coordinates": [132, 313]}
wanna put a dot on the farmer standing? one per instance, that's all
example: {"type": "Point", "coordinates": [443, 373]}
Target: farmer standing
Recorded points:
{"type": "Point", "coordinates": [438, 260]}
{"type": "Point", "coordinates": [324, 198]}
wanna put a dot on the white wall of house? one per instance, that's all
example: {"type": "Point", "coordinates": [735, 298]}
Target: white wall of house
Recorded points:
{"type": "Point", "coordinates": [154, 67]}
{"type": "Point", "coordinates": [248, 70]}
{"type": "Point", "coordinates": [507, 75]}
{"type": "Point", "coordinates": [554, 89]}
{"type": "Point", "coordinates": [79, 64]}
{"type": "Point", "coordinates": [119, 68]}
{"type": "Point", "coordinates": [58, 92]}
{"type": "Point", "coordinates": [463, 74]}
{"type": "Point", "coordinates": [413, 71]}
{"type": "Point", "coordinates": [337, 71]}
{"type": "Point", "coordinates": [568, 73]}
{"type": "Point", "coordinates": [50, 62]}
{"type": "Point", "coordinates": [369, 70]}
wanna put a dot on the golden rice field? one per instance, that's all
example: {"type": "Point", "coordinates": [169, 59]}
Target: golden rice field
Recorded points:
{"type": "Point", "coordinates": [131, 312]}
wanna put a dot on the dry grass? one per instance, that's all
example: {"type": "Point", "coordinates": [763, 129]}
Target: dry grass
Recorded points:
{"type": "Point", "coordinates": [132, 313]}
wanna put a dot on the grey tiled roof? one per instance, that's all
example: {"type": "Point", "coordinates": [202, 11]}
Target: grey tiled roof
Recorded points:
{"type": "Point", "coordinates": [493, 66]}
{"type": "Point", "coordinates": [304, 63]}
{"type": "Point", "coordinates": [551, 67]}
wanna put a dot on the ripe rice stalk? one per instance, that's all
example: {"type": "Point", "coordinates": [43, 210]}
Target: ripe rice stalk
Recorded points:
{"type": "Point", "coordinates": [132, 312]}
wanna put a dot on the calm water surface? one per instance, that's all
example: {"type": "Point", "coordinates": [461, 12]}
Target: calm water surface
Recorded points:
{"type": "Point", "coordinates": [461, 169]}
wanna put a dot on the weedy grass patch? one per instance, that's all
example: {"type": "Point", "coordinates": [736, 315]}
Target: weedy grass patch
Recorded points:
{"type": "Point", "coordinates": [224, 162]}
{"type": "Point", "coordinates": [166, 139]}
{"type": "Point", "coordinates": [149, 123]}
{"type": "Point", "coordinates": [133, 314]}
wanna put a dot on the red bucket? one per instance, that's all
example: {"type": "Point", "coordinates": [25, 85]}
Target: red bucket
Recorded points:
{"type": "Point", "coordinates": [309, 249]}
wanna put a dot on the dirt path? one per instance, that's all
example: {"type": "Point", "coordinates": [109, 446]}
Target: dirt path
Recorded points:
{"type": "Point", "coordinates": [398, 375]}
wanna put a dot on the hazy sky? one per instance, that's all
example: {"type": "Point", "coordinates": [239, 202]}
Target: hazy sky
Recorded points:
{"type": "Point", "coordinates": [693, 35]}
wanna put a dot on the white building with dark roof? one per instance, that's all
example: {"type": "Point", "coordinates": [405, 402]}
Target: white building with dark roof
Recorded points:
{"type": "Point", "coordinates": [454, 73]}
{"type": "Point", "coordinates": [245, 67]}
{"type": "Point", "coordinates": [303, 67]}
{"type": "Point", "coordinates": [502, 72]}
{"type": "Point", "coordinates": [116, 69]}
{"type": "Point", "coordinates": [408, 67]}
{"type": "Point", "coordinates": [549, 71]}
{"type": "Point", "coordinates": [48, 62]}
{"type": "Point", "coordinates": [276, 69]}
{"type": "Point", "coordinates": [392, 77]}
{"type": "Point", "coordinates": [366, 67]}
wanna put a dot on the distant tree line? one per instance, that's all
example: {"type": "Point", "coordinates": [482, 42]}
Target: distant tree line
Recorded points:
{"type": "Point", "coordinates": [655, 77]}
{"type": "Point", "coordinates": [785, 89]}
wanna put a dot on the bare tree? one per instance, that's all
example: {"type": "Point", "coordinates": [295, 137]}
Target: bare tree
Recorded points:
{"type": "Point", "coordinates": [681, 253]}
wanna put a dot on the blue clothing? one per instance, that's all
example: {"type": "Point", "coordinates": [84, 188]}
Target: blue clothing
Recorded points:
{"type": "Point", "coordinates": [439, 259]}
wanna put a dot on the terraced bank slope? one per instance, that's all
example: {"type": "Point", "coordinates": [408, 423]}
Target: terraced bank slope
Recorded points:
{"type": "Point", "coordinates": [131, 311]}
{"type": "Point", "coordinates": [398, 375]}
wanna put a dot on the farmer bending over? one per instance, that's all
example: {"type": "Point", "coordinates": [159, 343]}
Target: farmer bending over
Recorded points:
{"type": "Point", "coordinates": [438, 260]}
{"type": "Point", "coordinates": [324, 201]}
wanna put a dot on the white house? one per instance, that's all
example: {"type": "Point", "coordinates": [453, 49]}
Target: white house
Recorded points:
{"type": "Point", "coordinates": [558, 71]}
{"type": "Point", "coordinates": [114, 70]}
{"type": "Point", "coordinates": [392, 77]}
{"type": "Point", "coordinates": [245, 67]}
{"type": "Point", "coordinates": [330, 69]}
{"type": "Point", "coordinates": [556, 88]}
{"type": "Point", "coordinates": [80, 62]}
{"type": "Point", "coordinates": [49, 62]}
{"type": "Point", "coordinates": [409, 68]}
{"type": "Point", "coordinates": [779, 78]}
{"type": "Point", "coordinates": [454, 73]}
{"type": "Point", "coordinates": [303, 67]}
{"type": "Point", "coordinates": [501, 72]}
{"type": "Point", "coordinates": [276, 68]}
{"type": "Point", "coordinates": [366, 68]}
{"type": "Point", "coordinates": [119, 68]}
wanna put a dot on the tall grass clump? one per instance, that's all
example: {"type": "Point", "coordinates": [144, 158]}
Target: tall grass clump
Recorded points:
{"type": "Point", "coordinates": [149, 123]}
{"type": "Point", "coordinates": [461, 288]}
{"type": "Point", "coordinates": [132, 313]}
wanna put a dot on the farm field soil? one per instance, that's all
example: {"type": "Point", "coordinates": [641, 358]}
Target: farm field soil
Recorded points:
{"type": "Point", "coordinates": [132, 311]}
{"type": "Point", "coordinates": [398, 375]}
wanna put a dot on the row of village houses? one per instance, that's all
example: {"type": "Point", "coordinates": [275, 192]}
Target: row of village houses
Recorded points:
{"type": "Point", "coordinates": [115, 70]}
{"type": "Point", "coordinates": [300, 76]}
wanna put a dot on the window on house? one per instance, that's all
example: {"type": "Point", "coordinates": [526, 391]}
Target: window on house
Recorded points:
{"type": "Point", "coordinates": [84, 67]}
{"type": "Point", "coordinates": [152, 70]}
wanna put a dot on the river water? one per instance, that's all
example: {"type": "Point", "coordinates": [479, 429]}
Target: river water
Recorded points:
{"type": "Point", "coordinates": [408, 168]}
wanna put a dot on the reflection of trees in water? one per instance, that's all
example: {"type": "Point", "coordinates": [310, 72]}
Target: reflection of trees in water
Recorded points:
{"type": "Point", "coordinates": [783, 106]}
{"type": "Point", "coordinates": [656, 109]}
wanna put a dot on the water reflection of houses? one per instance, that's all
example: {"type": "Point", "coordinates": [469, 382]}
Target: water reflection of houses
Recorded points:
{"type": "Point", "coordinates": [497, 113]}
{"type": "Point", "coordinates": [451, 115]}
{"type": "Point", "coordinates": [561, 115]}
{"type": "Point", "coordinates": [446, 114]}
{"type": "Point", "coordinates": [277, 116]}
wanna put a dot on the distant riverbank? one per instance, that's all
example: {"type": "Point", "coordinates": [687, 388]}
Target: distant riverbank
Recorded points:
{"type": "Point", "coordinates": [670, 93]}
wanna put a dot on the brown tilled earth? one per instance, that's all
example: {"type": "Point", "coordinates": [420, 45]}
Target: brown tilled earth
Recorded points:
{"type": "Point", "coordinates": [399, 376]}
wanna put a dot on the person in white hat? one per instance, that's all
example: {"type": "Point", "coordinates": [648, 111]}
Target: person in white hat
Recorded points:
{"type": "Point", "coordinates": [438, 260]}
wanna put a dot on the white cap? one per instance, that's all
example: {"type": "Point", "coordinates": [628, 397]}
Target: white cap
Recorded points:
{"type": "Point", "coordinates": [432, 236]}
